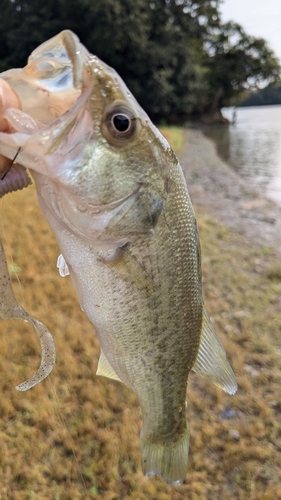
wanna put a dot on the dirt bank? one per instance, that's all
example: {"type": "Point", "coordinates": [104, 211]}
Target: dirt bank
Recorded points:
{"type": "Point", "coordinates": [213, 184]}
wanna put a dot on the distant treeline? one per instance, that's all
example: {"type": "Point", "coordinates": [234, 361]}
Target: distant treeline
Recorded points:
{"type": "Point", "coordinates": [268, 95]}
{"type": "Point", "coordinates": [176, 56]}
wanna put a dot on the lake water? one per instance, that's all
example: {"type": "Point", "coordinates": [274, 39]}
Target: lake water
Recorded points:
{"type": "Point", "coordinates": [252, 146]}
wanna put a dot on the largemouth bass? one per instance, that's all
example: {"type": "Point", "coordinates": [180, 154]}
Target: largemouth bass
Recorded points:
{"type": "Point", "coordinates": [115, 196]}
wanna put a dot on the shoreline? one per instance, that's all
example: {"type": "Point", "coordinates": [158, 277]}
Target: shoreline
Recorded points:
{"type": "Point", "coordinates": [214, 185]}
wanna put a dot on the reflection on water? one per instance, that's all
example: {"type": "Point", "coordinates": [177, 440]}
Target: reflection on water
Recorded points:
{"type": "Point", "coordinates": [252, 146]}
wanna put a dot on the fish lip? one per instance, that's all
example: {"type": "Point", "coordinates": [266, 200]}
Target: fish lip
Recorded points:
{"type": "Point", "coordinates": [67, 44]}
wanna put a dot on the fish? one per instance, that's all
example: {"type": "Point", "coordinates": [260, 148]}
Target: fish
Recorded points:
{"type": "Point", "coordinates": [115, 196]}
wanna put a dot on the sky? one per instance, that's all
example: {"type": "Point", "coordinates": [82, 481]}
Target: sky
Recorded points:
{"type": "Point", "coordinates": [259, 18]}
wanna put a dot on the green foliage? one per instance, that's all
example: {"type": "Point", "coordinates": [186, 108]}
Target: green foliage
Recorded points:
{"type": "Point", "coordinates": [176, 56]}
{"type": "Point", "coordinates": [237, 62]}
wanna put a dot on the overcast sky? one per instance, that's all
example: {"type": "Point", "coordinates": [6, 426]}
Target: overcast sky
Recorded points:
{"type": "Point", "coordinates": [259, 18]}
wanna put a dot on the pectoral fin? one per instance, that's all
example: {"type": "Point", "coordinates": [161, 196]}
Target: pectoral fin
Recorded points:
{"type": "Point", "coordinates": [62, 266]}
{"type": "Point", "coordinates": [105, 369]}
{"type": "Point", "coordinates": [211, 361]}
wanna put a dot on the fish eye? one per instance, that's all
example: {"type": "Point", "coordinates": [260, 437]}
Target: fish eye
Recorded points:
{"type": "Point", "coordinates": [121, 122]}
{"type": "Point", "coordinates": [119, 125]}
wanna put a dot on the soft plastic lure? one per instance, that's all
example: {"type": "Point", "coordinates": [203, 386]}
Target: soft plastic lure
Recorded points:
{"type": "Point", "coordinates": [11, 309]}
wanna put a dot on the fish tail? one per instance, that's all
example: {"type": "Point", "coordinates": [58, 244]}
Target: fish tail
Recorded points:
{"type": "Point", "coordinates": [168, 460]}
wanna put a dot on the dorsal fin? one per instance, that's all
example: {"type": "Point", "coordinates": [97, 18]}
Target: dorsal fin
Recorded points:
{"type": "Point", "coordinates": [105, 369]}
{"type": "Point", "coordinates": [211, 361]}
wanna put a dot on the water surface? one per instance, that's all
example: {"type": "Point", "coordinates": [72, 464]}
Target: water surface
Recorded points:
{"type": "Point", "coordinates": [252, 146]}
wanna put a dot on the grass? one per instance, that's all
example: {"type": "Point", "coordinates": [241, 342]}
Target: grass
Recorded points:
{"type": "Point", "coordinates": [174, 136]}
{"type": "Point", "coordinates": [76, 436]}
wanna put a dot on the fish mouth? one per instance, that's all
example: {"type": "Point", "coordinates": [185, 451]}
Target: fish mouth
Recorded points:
{"type": "Point", "coordinates": [37, 101]}
{"type": "Point", "coordinates": [54, 77]}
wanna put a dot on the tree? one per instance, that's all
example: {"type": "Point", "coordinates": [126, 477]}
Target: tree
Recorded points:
{"type": "Point", "coordinates": [25, 24]}
{"type": "Point", "coordinates": [237, 62]}
{"type": "Point", "coordinates": [157, 47]}
{"type": "Point", "coordinates": [176, 56]}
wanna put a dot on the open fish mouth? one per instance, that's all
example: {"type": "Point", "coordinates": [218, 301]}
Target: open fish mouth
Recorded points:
{"type": "Point", "coordinates": [50, 83]}
{"type": "Point", "coordinates": [40, 95]}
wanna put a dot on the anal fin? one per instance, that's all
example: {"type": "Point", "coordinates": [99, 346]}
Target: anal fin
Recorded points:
{"type": "Point", "coordinates": [105, 369]}
{"type": "Point", "coordinates": [211, 361]}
